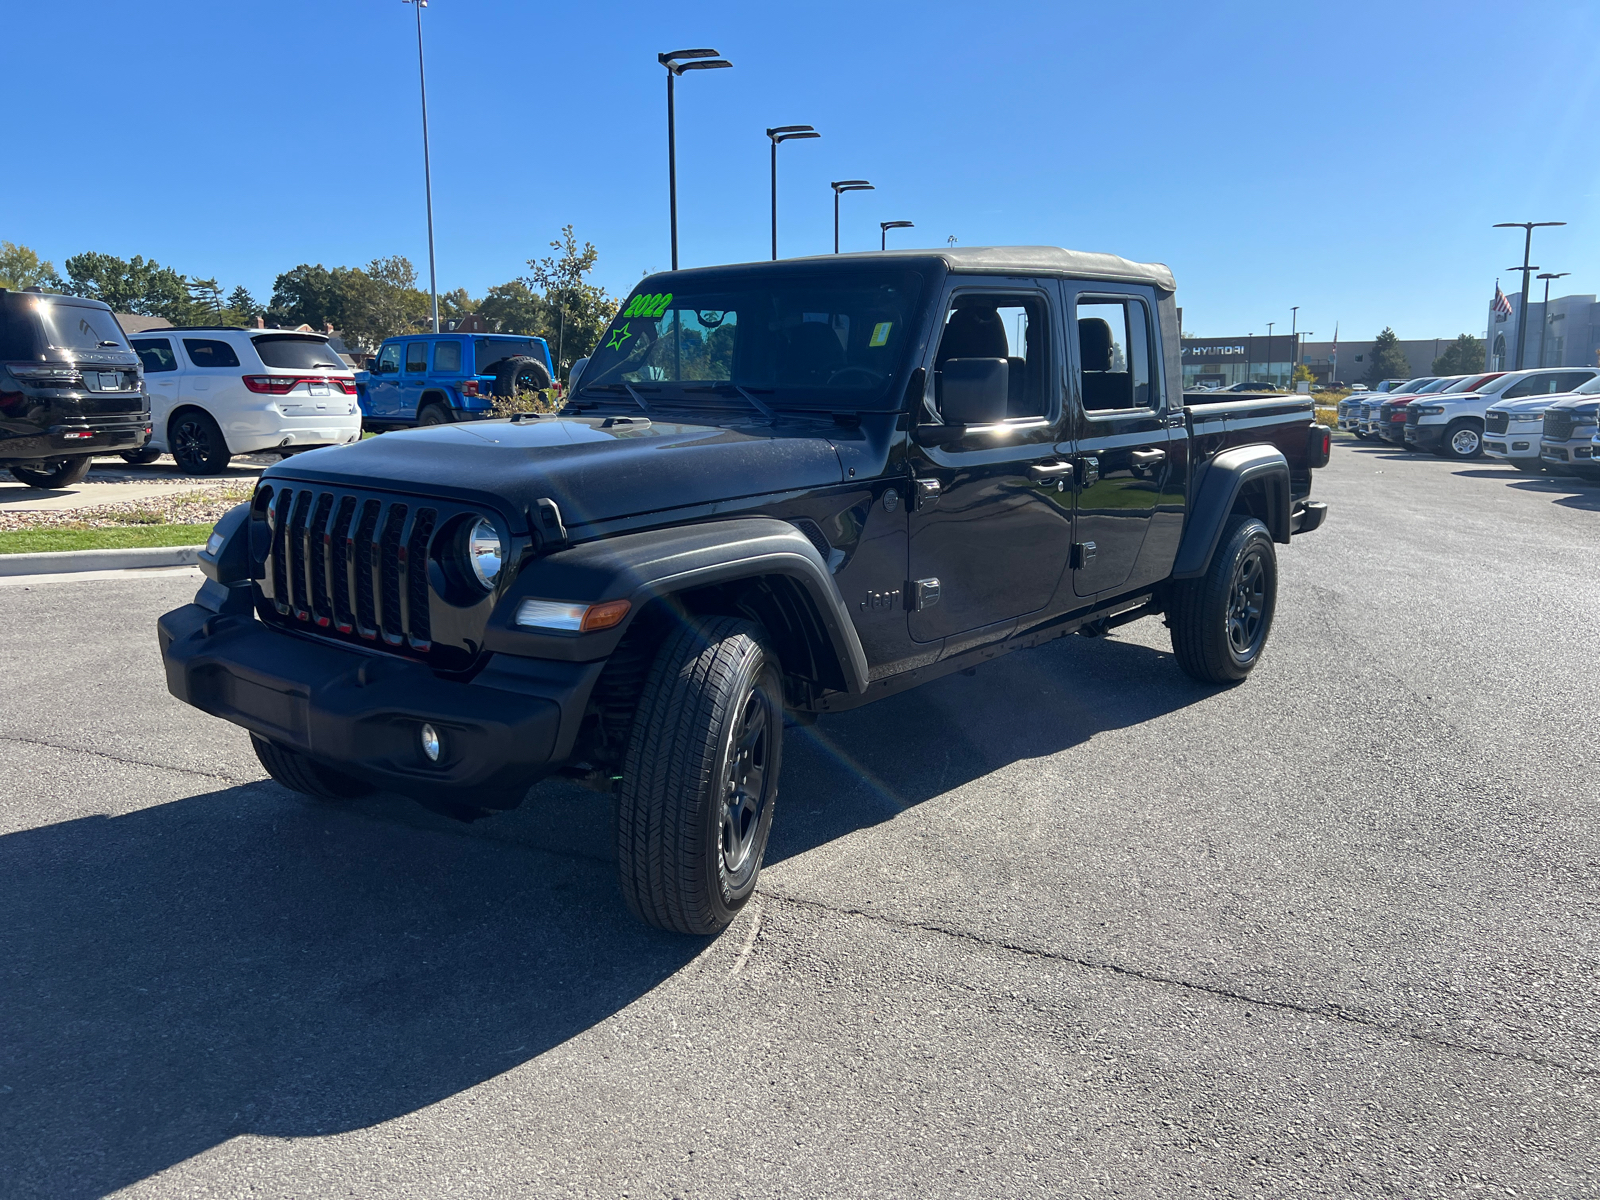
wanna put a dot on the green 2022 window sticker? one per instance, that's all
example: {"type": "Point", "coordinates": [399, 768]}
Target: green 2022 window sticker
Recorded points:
{"type": "Point", "coordinates": [648, 306]}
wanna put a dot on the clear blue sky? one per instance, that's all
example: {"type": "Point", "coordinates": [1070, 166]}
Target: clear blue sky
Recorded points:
{"type": "Point", "coordinates": [238, 140]}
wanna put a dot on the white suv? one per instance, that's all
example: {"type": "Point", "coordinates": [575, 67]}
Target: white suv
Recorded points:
{"type": "Point", "coordinates": [216, 392]}
{"type": "Point", "coordinates": [1453, 426]}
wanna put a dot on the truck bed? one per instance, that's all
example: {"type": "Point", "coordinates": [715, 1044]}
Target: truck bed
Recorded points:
{"type": "Point", "coordinates": [1283, 418]}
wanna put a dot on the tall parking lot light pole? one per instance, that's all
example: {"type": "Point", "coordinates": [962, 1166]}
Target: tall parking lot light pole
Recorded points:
{"type": "Point", "coordinates": [677, 62]}
{"type": "Point", "coordinates": [845, 185]}
{"type": "Point", "coordinates": [1544, 323]}
{"type": "Point", "coordinates": [783, 133]}
{"type": "Point", "coordinates": [1294, 330]}
{"type": "Point", "coordinates": [1527, 252]}
{"type": "Point", "coordinates": [427, 169]}
{"type": "Point", "coordinates": [883, 231]}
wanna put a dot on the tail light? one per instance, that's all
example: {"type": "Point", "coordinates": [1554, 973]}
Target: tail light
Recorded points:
{"type": "Point", "coordinates": [282, 385]}
{"type": "Point", "coordinates": [469, 387]}
{"type": "Point", "coordinates": [1319, 446]}
{"type": "Point", "coordinates": [347, 386]}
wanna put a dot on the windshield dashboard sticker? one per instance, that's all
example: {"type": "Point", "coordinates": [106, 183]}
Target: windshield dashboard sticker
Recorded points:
{"type": "Point", "coordinates": [880, 333]}
{"type": "Point", "coordinates": [618, 338]}
{"type": "Point", "coordinates": [648, 306]}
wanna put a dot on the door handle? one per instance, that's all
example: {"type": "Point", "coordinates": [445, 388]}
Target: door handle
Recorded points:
{"type": "Point", "coordinates": [1145, 459]}
{"type": "Point", "coordinates": [1048, 472]}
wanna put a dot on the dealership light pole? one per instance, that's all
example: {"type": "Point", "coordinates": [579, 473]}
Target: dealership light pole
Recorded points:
{"type": "Point", "coordinates": [427, 170]}
{"type": "Point", "coordinates": [1544, 323]}
{"type": "Point", "coordinates": [1527, 250]}
{"type": "Point", "coordinates": [883, 231]}
{"type": "Point", "coordinates": [845, 185]}
{"type": "Point", "coordinates": [1294, 330]}
{"type": "Point", "coordinates": [783, 133]}
{"type": "Point", "coordinates": [695, 60]}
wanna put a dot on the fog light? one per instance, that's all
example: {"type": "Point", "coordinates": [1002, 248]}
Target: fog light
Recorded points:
{"type": "Point", "coordinates": [430, 743]}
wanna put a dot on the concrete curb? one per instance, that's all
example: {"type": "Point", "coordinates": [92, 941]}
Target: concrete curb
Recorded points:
{"type": "Point", "coordinates": [60, 561]}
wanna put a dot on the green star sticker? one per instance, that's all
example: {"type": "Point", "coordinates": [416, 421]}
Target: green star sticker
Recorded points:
{"type": "Point", "coordinates": [618, 336]}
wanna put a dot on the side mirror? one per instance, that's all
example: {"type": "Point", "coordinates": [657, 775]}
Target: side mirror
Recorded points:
{"type": "Point", "coordinates": [973, 391]}
{"type": "Point", "coordinates": [574, 373]}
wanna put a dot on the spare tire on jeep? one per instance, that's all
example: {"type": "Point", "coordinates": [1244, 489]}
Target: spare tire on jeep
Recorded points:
{"type": "Point", "coordinates": [519, 373]}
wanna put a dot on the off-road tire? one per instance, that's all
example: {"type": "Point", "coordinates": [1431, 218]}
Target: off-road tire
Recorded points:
{"type": "Point", "coordinates": [1459, 429]}
{"type": "Point", "coordinates": [304, 775]}
{"type": "Point", "coordinates": [198, 446]}
{"type": "Point", "coordinates": [53, 473]}
{"type": "Point", "coordinates": [141, 458]}
{"type": "Point", "coordinates": [433, 414]}
{"type": "Point", "coordinates": [673, 803]}
{"type": "Point", "coordinates": [520, 373]}
{"type": "Point", "coordinates": [1206, 628]}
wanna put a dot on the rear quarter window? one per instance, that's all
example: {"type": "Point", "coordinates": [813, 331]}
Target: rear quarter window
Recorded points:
{"type": "Point", "coordinates": [156, 355]}
{"type": "Point", "coordinates": [206, 352]}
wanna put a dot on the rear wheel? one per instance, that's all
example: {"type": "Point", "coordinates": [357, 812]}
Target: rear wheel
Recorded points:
{"type": "Point", "coordinates": [141, 458]}
{"type": "Point", "coordinates": [52, 473]}
{"type": "Point", "coordinates": [700, 778]}
{"type": "Point", "coordinates": [433, 414]}
{"type": "Point", "coordinates": [305, 775]}
{"type": "Point", "coordinates": [1220, 621]}
{"type": "Point", "coordinates": [197, 444]}
{"type": "Point", "coordinates": [1463, 439]}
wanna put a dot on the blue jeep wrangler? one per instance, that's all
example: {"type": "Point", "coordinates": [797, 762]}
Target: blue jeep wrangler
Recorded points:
{"type": "Point", "coordinates": [437, 378]}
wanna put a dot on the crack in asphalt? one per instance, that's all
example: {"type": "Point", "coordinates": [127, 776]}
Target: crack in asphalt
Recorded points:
{"type": "Point", "coordinates": [1330, 1010]}
{"type": "Point", "coordinates": [121, 758]}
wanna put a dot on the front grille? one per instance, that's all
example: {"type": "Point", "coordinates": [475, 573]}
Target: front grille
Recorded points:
{"type": "Point", "coordinates": [1557, 426]}
{"type": "Point", "coordinates": [1496, 422]}
{"type": "Point", "coordinates": [355, 567]}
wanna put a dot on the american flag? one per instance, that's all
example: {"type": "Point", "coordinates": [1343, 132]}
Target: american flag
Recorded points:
{"type": "Point", "coordinates": [1502, 305]}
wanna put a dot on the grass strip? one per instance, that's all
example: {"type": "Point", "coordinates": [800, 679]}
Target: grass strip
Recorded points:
{"type": "Point", "coordinates": [67, 537]}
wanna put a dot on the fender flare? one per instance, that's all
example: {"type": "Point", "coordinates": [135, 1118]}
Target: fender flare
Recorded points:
{"type": "Point", "coordinates": [1224, 478]}
{"type": "Point", "coordinates": [641, 567]}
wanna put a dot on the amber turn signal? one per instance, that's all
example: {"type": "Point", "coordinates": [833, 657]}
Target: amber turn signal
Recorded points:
{"type": "Point", "coordinates": [605, 616]}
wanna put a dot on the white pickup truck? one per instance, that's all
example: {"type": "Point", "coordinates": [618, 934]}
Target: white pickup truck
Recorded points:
{"type": "Point", "coordinates": [1452, 426]}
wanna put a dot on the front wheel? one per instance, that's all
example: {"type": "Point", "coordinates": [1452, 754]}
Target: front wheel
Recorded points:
{"type": "Point", "coordinates": [52, 473]}
{"type": "Point", "coordinates": [305, 775]}
{"type": "Point", "coordinates": [141, 458]}
{"type": "Point", "coordinates": [1220, 621]}
{"type": "Point", "coordinates": [700, 778]}
{"type": "Point", "coordinates": [1463, 439]}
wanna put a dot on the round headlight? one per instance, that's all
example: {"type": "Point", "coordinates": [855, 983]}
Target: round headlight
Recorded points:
{"type": "Point", "coordinates": [486, 554]}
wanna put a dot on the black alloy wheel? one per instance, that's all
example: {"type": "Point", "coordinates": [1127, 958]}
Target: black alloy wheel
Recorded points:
{"type": "Point", "coordinates": [700, 778]}
{"type": "Point", "coordinates": [1220, 622]}
{"type": "Point", "coordinates": [197, 444]}
{"type": "Point", "coordinates": [53, 472]}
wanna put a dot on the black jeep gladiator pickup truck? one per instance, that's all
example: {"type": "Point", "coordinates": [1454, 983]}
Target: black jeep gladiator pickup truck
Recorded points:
{"type": "Point", "coordinates": [777, 489]}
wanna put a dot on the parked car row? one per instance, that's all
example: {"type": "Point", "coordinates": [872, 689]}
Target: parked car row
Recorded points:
{"type": "Point", "coordinates": [1535, 420]}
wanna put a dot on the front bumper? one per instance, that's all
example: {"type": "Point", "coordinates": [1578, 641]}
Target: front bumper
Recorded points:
{"type": "Point", "coordinates": [1394, 431]}
{"type": "Point", "coordinates": [1425, 437]}
{"type": "Point", "coordinates": [1513, 446]}
{"type": "Point", "coordinates": [362, 713]}
{"type": "Point", "coordinates": [1577, 454]}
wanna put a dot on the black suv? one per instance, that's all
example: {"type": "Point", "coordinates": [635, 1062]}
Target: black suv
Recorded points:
{"type": "Point", "coordinates": [70, 387]}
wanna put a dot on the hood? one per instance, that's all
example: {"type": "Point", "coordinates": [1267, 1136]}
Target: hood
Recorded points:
{"type": "Point", "coordinates": [594, 468]}
{"type": "Point", "coordinates": [1580, 403]}
{"type": "Point", "coordinates": [1522, 404]}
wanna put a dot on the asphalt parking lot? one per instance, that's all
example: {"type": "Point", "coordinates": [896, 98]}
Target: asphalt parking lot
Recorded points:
{"type": "Point", "coordinates": [1073, 925]}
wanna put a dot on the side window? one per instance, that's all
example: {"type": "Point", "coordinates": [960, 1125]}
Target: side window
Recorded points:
{"type": "Point", "coordinates": [1574, 379]}
{"type": "Point", "coordinates": [998, 326]}
{"type": "Point", "coordinates": [389, 361]}
{"type": "Point", "coordinates": [203, 352]}
{"type": "Point", "coordinates": [416, 357]}
{"type": "Point", "coordinates": [447, 358]}
{"type": "Point", "coordinates": [1114, 345]}
{"type": "Point", "coordinates": [156, 355]}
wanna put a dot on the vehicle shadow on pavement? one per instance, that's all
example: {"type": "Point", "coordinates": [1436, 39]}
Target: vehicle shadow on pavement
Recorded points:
{"type": "Point", "coordinates": [1565, 491]}
{"type": "Point", "coordinates": [859, 768]}
{"type": "Point", "coordinates": [242, 963]}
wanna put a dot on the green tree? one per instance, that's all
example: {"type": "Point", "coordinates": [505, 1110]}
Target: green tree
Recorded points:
{"type": "Point", "coordinates": [1461, 357]}
{"type": "Point", "coordinates": [307, 295]}
{"type": "Point", "coordinates": [205, 303]}
{"type": "Point", "coordinates": [243, 305]}
{"type": "Point", "coordinates": [21, 268]}
{"type": "Point", "coordinates": [582, 310]}
{"type": "Point", "coordinates": [514, 308]}
{"type": "Point", "coordinates": [381, 301]}
{"type": "Point", "coordinates": [1387, 360]}
{"type": "Point", "coordinates": [456, 303]}
{"type": "Point", "coordinates": [135, 285]}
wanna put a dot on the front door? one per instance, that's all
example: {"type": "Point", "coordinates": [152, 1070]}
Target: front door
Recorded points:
{"type": "Point", "coordinates": [413, 380]}
{"type": "Point", "coordinates": [1122, 454]}
{"type": "Point", "coordinates": [383, 383]}
{"type": "Point", "coordinates": [991, 525]}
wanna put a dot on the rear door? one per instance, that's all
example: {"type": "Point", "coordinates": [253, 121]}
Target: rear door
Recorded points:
{"type": "Point", "coordinates": [160, 381]}
{"type": "Point", "coordinates": [1121, 455]}
{"type": "Point", "coordinates": [992, 529]}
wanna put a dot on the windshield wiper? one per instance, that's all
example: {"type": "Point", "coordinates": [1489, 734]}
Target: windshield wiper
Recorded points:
{"type": "Point", "coordinates": [722, 389]}
{"type": "Point", "coordinates": [620, 387]}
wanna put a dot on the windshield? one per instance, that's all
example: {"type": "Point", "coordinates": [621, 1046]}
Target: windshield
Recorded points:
{"type": "Point", "coordinates": [298, 353]}
{"type": "Point", "coordinates": [831, 339]}
{"type": "Point", "coordinates": [80, 327]}
{"type": "Point", "coordinates": [1436, 385]}
{"type": "Point", "coordinates": [1588, 389]}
